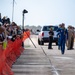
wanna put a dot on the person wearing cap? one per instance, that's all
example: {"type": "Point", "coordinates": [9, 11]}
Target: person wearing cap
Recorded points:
{"type": "Point", "coordinates": [72, 38]}
{"type": "Point", "coordinates": [51, 33]}
{"type": "Point", "coordinates": [69, 37]}
{"type": "Point", "coordinates": [58, 30]}
{"type": "Point", "coordinates": [63, 37]}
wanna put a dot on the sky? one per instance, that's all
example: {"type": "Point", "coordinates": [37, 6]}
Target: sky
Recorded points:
{"type": "Point", "coordinates": [40, 12]}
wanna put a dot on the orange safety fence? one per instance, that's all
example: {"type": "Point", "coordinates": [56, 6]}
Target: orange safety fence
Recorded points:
{"type": "Point", "coordinates": [26, 35]}
{"type": "Point", "coordinates": [11, 53]}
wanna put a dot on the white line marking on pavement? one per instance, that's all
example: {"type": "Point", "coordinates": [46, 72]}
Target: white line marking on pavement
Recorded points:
{"type": "Point", "coordinates": [54, 69]}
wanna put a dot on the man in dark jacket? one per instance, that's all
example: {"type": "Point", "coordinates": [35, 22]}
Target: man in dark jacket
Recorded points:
{"type": "Point", "coordinates": [51, 33]}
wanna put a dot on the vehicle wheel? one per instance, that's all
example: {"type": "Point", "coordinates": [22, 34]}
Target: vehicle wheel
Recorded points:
{"type": "Point", "coordinates": [56, 43]}
{"type": "Point", "coordinates": [41, 43]}
{"type": "Point", "coordinates": [38, 41]}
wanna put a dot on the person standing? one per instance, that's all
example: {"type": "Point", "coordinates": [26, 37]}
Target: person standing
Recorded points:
{"type": "Point", "coordinates": [72, 38]}
{"type": "Point", "coordinates": [51, 33]}
{"type": "Point", "coordinates": [63, 37]}
{"type": "Point", "coordinates": [69, 38]}
{"type": "Point", "coordinates": [58, 30]}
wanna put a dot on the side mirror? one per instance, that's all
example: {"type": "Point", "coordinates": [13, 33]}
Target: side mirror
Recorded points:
{"type": "Point", "coordinates": [38, 30]}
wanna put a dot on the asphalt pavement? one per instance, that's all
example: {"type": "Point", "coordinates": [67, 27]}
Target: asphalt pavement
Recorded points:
{"type": "Point", "coordinates": [44, 61]}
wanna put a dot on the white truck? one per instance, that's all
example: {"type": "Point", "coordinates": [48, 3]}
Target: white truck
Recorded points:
{"type": "Point", "coordinates": [43, 36]}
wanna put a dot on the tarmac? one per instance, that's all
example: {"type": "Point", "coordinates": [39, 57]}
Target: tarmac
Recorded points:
{"type": "Point", "coordinates": [43, 61]}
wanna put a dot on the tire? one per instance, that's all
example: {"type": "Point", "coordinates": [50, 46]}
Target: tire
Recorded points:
{"type": "Point", "coordinates": [56, 43]}
{"type": "Point", "coordinates": [38, 41]}
{"type": "Point", "coordinates": [41, 43]}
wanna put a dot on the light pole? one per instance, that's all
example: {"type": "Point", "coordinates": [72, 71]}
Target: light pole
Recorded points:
{"type": "Point", "coordinates": [24, 11]}
{"type": "Point", "coordinates": [13, 11]}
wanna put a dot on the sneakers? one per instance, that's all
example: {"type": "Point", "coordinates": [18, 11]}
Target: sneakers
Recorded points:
{"type": "Point", "coordinates": [50, 48]}
{"type": "Point", "coordinates": [70, 49]}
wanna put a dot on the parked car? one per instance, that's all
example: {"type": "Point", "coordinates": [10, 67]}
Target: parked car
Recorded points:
{"type": "Point", "coordinates": [43, 36]}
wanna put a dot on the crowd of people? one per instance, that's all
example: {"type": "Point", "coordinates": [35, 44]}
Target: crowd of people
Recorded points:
{"type": "Point", "coordinates": [8, 30]}
{"type": "Point", "coordinates": [65, 37]}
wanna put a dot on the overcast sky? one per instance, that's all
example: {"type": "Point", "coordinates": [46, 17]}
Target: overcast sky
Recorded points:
{"type": "Point", "coordinates": [40, 12]}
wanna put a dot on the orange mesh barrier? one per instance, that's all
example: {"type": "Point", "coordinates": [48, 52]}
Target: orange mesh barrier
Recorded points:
{"type": "Point", "coordinates": [26, 35]}
{"type": "Point", "coordinates": [11, 53]}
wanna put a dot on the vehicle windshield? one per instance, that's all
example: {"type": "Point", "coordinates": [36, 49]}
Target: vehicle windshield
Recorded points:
{"type": "Point", "coordinates": [47, 28]}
